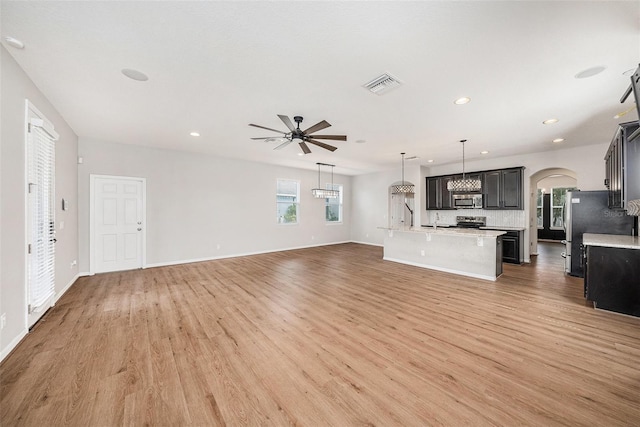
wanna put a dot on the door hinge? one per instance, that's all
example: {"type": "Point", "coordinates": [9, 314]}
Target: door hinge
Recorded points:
{"type": "Point", "coordinates": [29, 308]}
{"type": "Point", "coordinates": [29, 248]}
{"type": "Point", "coordinates": [31, 185]}
{"type": "Point", "coordinates": [29, 127]}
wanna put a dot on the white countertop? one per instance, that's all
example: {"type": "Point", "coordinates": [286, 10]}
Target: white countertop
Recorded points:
{"type": "Point", "coordinates": [500, 227]}
{"type": "Point", "coordinates": [486, 227]}
{"type": "Point", "coordinates": [611, 240]}
{"type": "Point", "coordinates": [461, 232]}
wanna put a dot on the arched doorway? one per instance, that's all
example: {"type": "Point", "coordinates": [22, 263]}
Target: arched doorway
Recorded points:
{"type": "Point", "coordinates": [402, 207]}
{"type": "Point", "coordinates": [533, 185]}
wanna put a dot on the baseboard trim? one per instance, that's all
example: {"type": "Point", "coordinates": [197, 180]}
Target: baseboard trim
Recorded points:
{"type": "Point", "coordinates": [367, 243]}
{"type": "Point", "coordinates": [189, 261]}
{"type": "Point", "coordinates": [13, 344]}
{"type": "Point", "coordinates": [65, 289]}
{"type": "Point", "coordinates": [446, 270]}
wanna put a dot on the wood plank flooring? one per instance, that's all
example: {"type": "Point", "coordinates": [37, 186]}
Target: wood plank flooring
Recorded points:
{"type": "Point", "coordinates": [329, 336]}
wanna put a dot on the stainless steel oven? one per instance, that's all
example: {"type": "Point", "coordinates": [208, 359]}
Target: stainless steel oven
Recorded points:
{"type": "Point", "coordinates": [467, 201]}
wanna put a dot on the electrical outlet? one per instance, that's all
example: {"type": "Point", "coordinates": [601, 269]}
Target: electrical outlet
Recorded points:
{"type": "Point", "coordinates": [74, 263]}
{"type": "Point", "coordinates": [422, 252]}
{"type": "Point", "coordinates": [3, 320]}
{"type": "Point", "coordinates": [313, 237]}
{"type": "Point", "coordinates": [218, 246]}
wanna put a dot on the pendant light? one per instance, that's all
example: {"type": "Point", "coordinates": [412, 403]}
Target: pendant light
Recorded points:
{"type": "Point", "coordinates": [402, 188]}
{"type": "Point", "coordinates": [323, 193]}
{"type": "Point", "coordinates": [464, 185]}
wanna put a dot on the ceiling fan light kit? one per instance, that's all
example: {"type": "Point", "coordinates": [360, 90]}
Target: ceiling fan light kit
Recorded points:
{"type": "Point", "coordinates": [464, 185]}
{"type": "Point", "coordinates": [304, 136]}
{"type": "Point", "coordinates": [324, 193]}
{"type": "Point", "coordinates": [403, 188]}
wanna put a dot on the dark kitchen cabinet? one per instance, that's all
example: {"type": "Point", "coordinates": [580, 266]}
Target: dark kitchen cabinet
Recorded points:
{"type": "Point", "coordinates": [502, 189]}
{"type": "Point", "coordinates": [511, 247]}
{"type": "Point", "coordinates": [612, 279]}
{"type": "Point", "coordinates": [622, 167]}
{"type": "Point", "coordinates": [499, 253]}
{"type": "Point", "coordinates": [438, 196]}
{"type": "Point", "coordinates": [491, 190]}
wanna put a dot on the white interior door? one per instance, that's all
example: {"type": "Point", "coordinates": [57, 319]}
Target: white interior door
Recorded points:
{"type": "Point", "coordinates": [117, 219]}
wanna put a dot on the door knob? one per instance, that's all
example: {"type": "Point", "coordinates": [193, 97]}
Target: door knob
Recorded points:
{"type": "Point", "coordinates": [139, 229]}
{"type": "Point", "coordinates": [139, 222]}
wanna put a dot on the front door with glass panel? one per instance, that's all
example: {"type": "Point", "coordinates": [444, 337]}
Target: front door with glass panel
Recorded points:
{"type": "Point", "coordinates": [117, 213]}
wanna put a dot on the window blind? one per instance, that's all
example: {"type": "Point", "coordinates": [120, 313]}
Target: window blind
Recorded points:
{"type": "Point", "coordinates": [41, 155]}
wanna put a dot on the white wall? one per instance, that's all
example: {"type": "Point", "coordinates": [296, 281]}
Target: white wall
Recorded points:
{"type": "Point", "coordinates": [16, 88]}
{"type": "Point", "coordinates": [556, 182]}
{"type": "Point", "coordinates": [196, 202]}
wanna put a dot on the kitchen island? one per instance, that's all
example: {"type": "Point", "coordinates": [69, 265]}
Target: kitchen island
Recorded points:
{"type": "Point", "coordinates": [468, 252]}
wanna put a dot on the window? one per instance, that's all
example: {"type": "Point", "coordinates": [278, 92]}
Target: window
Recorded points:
{"type": "Point", "coordinates": [557, 206]}
{"type": "Point", "coordinates": [539, 208]}
{"type": "Point", "coordinates": [333, 208]}
{"type": "Point", "coordinates": [287, 201]}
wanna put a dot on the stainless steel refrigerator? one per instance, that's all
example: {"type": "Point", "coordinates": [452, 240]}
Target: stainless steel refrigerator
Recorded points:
{"type": "Point", "coordinates": [588, 212]}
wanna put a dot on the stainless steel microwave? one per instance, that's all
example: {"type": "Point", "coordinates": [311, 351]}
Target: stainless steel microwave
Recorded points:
{"type": "Point", "coordinates": [467, 201]}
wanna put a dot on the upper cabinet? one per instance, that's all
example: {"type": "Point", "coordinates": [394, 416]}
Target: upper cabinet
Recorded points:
{"type": "Point", "coordinates": [438, 196]}
{"type": "Point", "coordinates": [622, 167]}
{"type": "Point", "coordinates": [502, 189]}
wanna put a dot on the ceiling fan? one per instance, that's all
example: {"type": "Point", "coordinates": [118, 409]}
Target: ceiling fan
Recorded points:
{"type": "Point", "coordinates": [303, 135]}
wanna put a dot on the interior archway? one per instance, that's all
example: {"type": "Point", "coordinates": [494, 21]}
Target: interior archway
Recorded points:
{"type": "Point", "coordinates": [533, 185]}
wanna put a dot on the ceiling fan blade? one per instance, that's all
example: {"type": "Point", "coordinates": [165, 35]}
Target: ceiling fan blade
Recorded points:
{"type": "Point", "coordinates": [318, 126]}
{"type": "Point", "coordinates": [305, 147]}
{"type": "Point", "coordinates": [262, 127]}
{"type": "Point", "coordinates": [334, 137]}
{"type": "Point", "coordinates": [267, 137]}
{"type": "Point", "coordinates": [321, 144]}
{"type": "Point", "coordinates": [284, 144]}
{"type": "Point", "coordinates": [287, 122]}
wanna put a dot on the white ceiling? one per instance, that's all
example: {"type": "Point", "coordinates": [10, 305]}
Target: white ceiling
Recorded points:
{"type": "Point", "coordinates": [215, 67]}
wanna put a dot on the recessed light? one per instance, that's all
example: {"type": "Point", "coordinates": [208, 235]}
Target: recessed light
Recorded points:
{"type": "Point", "coordinates": [462, 101]}
{"type": "Point", "coordinates": [135, 75]}
{"type": "Point", "coordinates": [430, 161]}
{"type": "Point", "coordinates": [629, 72]}
{"type": "Point", "coordinates": [300, 154]}
{"type": "Point", "coordinates": [194, 134]}
{"type": "Point", "coordinates": [484, 152]}
{"type": "Point", "coordinates": [14, 42]}
{"type": "Point", "coordinates": [590, 72]}
{"type": "Point", "coordinates": [557, 140]}
{"type": "Point", "coordinates": [550, 121]}
{"type": "Point", "coordinates": [360, 141]}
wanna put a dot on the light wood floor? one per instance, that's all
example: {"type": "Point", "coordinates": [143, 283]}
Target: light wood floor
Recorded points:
{"type": "Point", "coordinates": [325, 336]}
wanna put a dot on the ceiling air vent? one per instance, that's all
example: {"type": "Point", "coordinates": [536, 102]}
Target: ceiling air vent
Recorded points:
{"type": "Point", "coordinates": [382, 84]}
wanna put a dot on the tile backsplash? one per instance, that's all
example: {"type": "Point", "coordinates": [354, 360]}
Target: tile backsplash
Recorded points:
{"type": "Point", "coordinates": [494, 217]}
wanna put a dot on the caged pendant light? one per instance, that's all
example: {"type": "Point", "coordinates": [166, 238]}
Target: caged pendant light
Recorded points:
{"type": "Point", "coordinates": [402, 188]}
{"type": "Point", "coordinates": [323, 193]}
{"type": "Point", "coordinates": [464, 185]}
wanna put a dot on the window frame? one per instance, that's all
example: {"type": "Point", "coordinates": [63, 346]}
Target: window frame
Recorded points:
{"type": "Point", "coordinates": [552, 207]}
{"type": "Point", "coordinates": [540, 193]}
{"type": "Point", "coordinates": [295, 202]}
{"type": "Point", "coordinates": [340, 203]}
